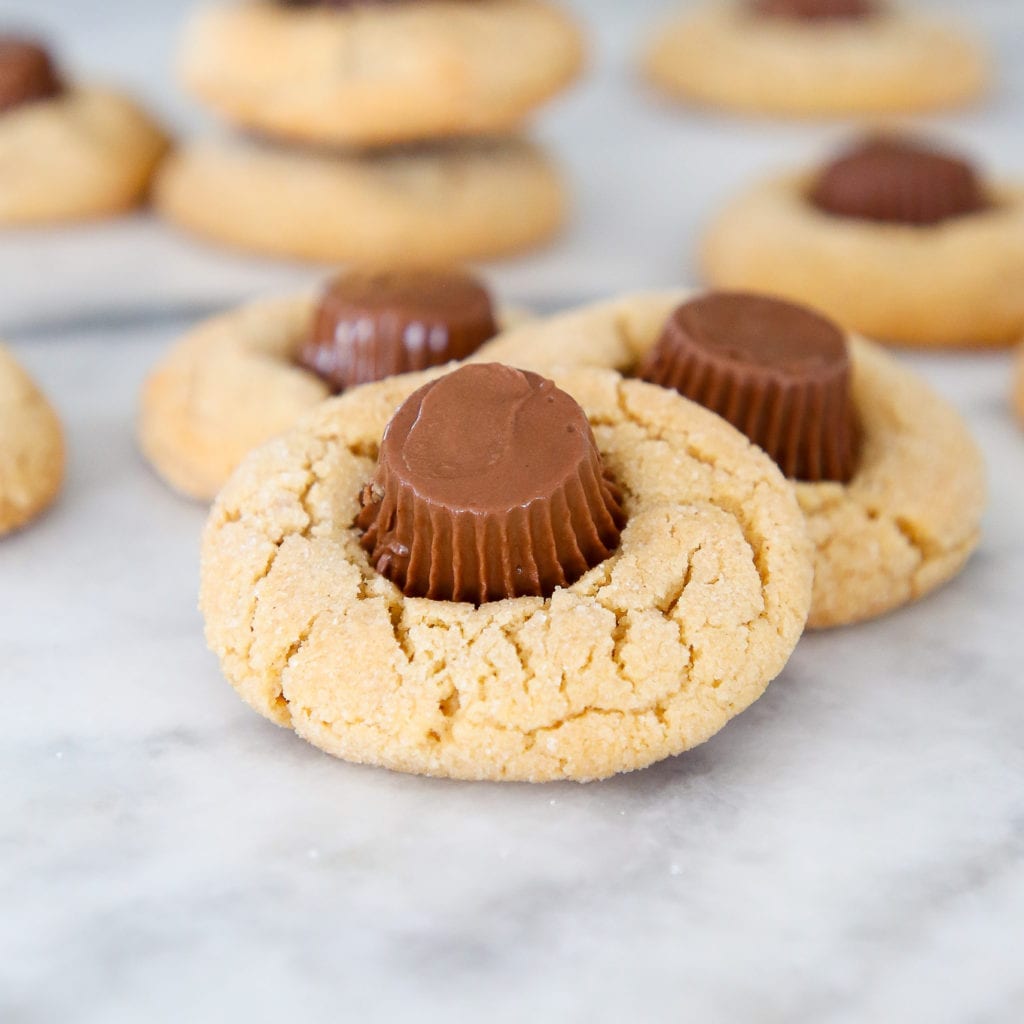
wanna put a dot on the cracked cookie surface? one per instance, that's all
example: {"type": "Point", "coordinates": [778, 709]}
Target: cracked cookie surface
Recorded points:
{"type": "Point", "coordinates": [86, 153]}
{"type": "Point", "coordinates": [648, 654]}
{"type": "Point", "coordinates": [933, 286]}
{"type": "Point", "coordinates": [229, 385]}
{"type": "Point", "coordinates": [379, 74]}
{"type": "Point", "coordinates": [722, 56]}
{"type": "Point", "coordinates": [419, 205]}
{"type": "Point", "coordinates": [906, 522]}
{"type": "Point", "coordinates": [31, 447]}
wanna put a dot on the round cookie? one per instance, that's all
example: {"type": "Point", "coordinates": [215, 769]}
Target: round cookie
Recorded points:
{"type": "Point", "coordinates": [84, 153]}
{"type": "Point", "coordinates": [723, 55]}
{"type": "Point", "coordinates": [228, 386]}
{"type": "Point", "coordinates": [379, 74]}
{"type": "Point", "coordinates": [907, 520]}
{"type": "Point", "coordinates": [945, 284]}
{"type": "Point", "coordinates": [647, 654]}
{"type": "Point", "coordinates": [424, 205]}
{"type": "Point", "coordinates": [31, 447]}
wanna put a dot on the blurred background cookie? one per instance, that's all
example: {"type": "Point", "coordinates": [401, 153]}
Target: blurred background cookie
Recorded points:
{"type": "Point", "coordinates": [896, 238]}
{"type": "Point", "coordinates": [67, 152]}
{"type": "Point", "coordinates": [815, 58]}
{"type": "Point", "coordinates": [31, 447]}
{"type": "Point", "coordinates": [377, 74]}
{"type": "Point", "coordinates": [430, 204]}
{"type": "Point", "coordinates": [384, 129]}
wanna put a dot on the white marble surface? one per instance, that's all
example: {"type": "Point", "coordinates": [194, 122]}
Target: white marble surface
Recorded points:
{"type": "Point", "coordinates": [850, 850]}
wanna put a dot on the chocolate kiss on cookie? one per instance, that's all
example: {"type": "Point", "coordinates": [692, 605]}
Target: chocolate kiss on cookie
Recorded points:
{"type": "Point", "coordinates": [26, 73]}
{"type": "Point", "coordinates": [898, 181]}
{"type": "Point", "coordinates": [489, 485]}
{"type": "Point", "coordinates": [774, 370]}
{"type": "Point", "coordinates": [371, 325]}
{"type": "Point", "coordinates": [815, 10]}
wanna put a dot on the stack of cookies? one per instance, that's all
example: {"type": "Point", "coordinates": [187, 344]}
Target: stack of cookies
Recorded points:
{"type": "Point", "coordinates": [374, 132]}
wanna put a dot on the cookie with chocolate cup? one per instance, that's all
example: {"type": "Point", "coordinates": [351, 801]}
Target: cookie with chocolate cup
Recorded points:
{"type": "Point", "coordinates": [424, 205]}
{"type": "Point", "coordinates": [889, 479]}
{"type": "Point", "coordinates": [244, 376]}
{"type": "Point", "coordinates": [895, 238]}
{"type": "Point", "coordinates": [31, 447]}
{"type": "Point", "coordinates": [815, 58]}
{"type": "Point", "coordinates": [67, 152]}
{"type": "Point", "coordinates": [373, 74]}
{"type": "Point", "coordinates": [486, 574]}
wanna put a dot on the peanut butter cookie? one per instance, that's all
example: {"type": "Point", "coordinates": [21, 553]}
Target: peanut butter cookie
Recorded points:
{"type": "Point", "coordinates": [31, 447]}
{"type": "Point", "coordinates": [379, 74]}
{"type": "Point", "coordinates": [906, 519]}
{"type": "Point", "coordinates": [815, 58]}
{"type": "Point", "coordinates": [895, 239]}
{"type": "Point", "coordinates": [67, 152]}
{"type": "Point", "coordinates": [425, 205]}
{"type": "Point", "coordinates": [696, 592]}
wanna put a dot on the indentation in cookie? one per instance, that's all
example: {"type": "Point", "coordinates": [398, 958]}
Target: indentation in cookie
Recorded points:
{"type": "Point", "coordinates": [489, 486]}
{"type": "Point", "coordinates": [777, 371]}
{"type": "Point", "coordinates": [374, 324]}
{"type": "Point", "coordinates": [897, 180]}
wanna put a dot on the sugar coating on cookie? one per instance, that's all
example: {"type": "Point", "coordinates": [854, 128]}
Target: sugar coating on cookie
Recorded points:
{"type": "Point", "coordinates": [647, 654]}
{"type": "Point", "coordinates": [910, 516]}
{"type": "Point", "coordinates": [379, 74]}
{"type": "Point", "coordinates": [884, 60]}
{"type": "Point", "coordinates": [31, 447]}
{"type": "Point", "coordinates": [941, 283]}
{"type": "Point", "coordinates": [430, 205]}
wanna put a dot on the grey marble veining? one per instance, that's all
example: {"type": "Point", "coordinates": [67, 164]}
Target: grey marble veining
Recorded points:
{"type": "Point", "coordinates": [849, 850]}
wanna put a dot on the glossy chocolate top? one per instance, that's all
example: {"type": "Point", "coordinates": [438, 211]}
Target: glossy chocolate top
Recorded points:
{"type": "Point", "coordinates": [489, 485]}
{"type": "Point", "coordinates": [371, 325]}
{"type": "Point", "coordinates": [775, 370]}
{"type": "Point", "coordinates": [898, 181]}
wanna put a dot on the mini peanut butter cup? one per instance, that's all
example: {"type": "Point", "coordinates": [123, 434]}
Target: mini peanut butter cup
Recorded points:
{"type": "Point", "coordinates": [26, 73]}
{"type": "Point", "coordinates": [815, 10]}
{"type": "Point", "coordinates": [774, 370]}
{"type": "Point", "coordinates": [898, 181]}
{"type": "Point", "coordinates": [489, 485]}
{"type": "Point", "coordinates": [371, 325]}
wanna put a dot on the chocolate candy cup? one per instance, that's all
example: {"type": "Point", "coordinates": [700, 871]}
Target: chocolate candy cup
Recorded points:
{"type": "Point", "coordinates": [815, 10]}
{"type": "Point", "coordinates": [372, 325]}
{"type": "Point", "coordinates": [774, 370]}
{"type": "Point", "coordinates": [26, 73]}
{"type": "Point", "coordinates": [898, 181]}
{"type": "Point", "coordinates": [489, 485]}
